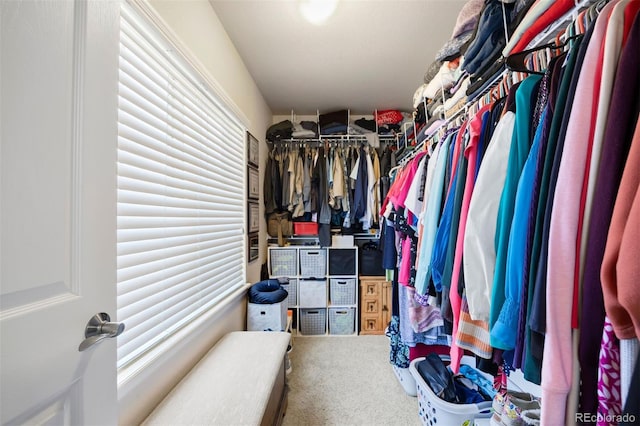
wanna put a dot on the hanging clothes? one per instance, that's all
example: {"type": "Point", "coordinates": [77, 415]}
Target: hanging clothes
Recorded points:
{"type": "Point", "coordinates": [479, 247]}
{"type": "Point", "coordinates": [520, 230]}
{"type": "Point", "coordinates": [360, 178]}
{"type": "Point", "coordinates": [429, 218]}
{"type": "Point", "coordinates": [520, 147]}
{"type": "Point", "coordinates": [534, 334]}
{"type": "Point", "coordinates": [367, 218]}
{"type": "Point", "coordinates": [557, 363]}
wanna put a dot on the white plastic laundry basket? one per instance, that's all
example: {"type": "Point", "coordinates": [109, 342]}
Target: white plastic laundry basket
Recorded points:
{"type": "Point", "coordinates": [434, 411]}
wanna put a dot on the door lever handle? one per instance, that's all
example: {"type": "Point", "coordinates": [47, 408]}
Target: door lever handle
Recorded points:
{"type": "Point", "coordinates": [99, 328]}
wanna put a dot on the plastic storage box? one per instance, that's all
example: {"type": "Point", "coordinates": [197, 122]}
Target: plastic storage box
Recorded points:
{"type": "Point", "coordinates": [267, 317]}
{"type": "Point", "coordinates": [305, 228]}
{"type": "Point", "coordinates": [292, 289]}
{"type": "Point", "coordinates": [313, 263]}
{"type": "Point", "coordinates": [312, 293]}
{"type": "Point", "coordinates": [283, 262]}
{"type": "Point", "coordinates": [436, 411]}
{"type": "Point", "coordinates": [313, 321]}
{"type": "Point", "coordinates": [342, 291]}
{"type": "Point", "coordinates": [341, 320]}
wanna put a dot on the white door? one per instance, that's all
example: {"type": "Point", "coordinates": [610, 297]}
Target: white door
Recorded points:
{"type": "Point", "coordinates": [58, 121]}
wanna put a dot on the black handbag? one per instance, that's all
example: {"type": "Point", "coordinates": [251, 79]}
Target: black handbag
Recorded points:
{"type": "Point", "coordinates": [370, 260]}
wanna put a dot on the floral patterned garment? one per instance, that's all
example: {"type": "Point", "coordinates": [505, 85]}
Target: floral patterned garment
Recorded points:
{"type": "Point", "coordinates": [609, 397]}
{"type": "Point", "coordinates": [399, 351]}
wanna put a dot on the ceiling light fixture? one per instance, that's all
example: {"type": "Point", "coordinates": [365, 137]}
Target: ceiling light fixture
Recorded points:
{"type": "Point", "coordinates": [317, 11]}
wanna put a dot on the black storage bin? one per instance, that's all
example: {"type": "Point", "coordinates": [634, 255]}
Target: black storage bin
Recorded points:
{"type": "Point", "coordinates": [370, 260]}
{"type": "Point", "coordinates": [342, 261]}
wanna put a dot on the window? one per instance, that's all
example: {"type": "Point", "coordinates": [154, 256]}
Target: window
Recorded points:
{"type": "Point", "coordinates": [181, 218]}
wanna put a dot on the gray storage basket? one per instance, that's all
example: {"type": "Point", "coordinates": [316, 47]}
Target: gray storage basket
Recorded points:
{"type": "Point", "coordinates": [313, 321]}
{"type": "Point", "coordinates": [342, 291]}
{"type": "Point", "coordinates": [342, 320]}
{"type": "Point", "coordinates": [313, 263]}
{"type": "Point", "coordinates": [284, 262]}
{"type": "Point", "coordinates": [292, 290]}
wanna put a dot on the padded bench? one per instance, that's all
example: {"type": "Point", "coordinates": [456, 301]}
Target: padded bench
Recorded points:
{"type": "Point", "coordinates": [240, 381]}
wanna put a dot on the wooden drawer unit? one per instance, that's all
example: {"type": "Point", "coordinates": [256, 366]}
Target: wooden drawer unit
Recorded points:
{"type": "Point", "coordinates": [375, 304]}
{"type": "Point", "coordinates": [370, 306]}
{"type": "Point", "coordinates": [370, 288]}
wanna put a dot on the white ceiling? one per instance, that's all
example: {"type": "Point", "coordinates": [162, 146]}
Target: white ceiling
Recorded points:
{"type": "Point", "coordinates": [370, 54]}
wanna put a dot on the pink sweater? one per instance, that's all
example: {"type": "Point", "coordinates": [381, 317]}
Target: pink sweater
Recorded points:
{"type": "Point", "coordinates": [557, 363]}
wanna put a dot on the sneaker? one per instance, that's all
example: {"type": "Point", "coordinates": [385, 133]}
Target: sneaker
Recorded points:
{"type": "Point", "coordinates": [515, 404]}
{"type": "Point", "coordinates": [497, 406]}
{"type": "Point", "coordinates": [506, 406]}
{"type": "Point", "coordinates": [531, 417]}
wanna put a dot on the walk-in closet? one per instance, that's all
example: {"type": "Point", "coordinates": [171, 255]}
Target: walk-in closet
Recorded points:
{"type": "Point", "coordinates": [496, 208]}
{"type": "Point", "coordinates": [320, 212]}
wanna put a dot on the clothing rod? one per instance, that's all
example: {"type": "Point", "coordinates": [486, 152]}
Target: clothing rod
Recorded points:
{"type": "Point", "coordinates": [420, 146]}
{"type": "Point", "coordinates": [552, 30]}
{"type": "Point", "coordinates": [383, 138]}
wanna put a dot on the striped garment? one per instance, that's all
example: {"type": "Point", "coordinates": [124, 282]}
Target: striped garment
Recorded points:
{"type": "Point", "coordinates": [473, 335]}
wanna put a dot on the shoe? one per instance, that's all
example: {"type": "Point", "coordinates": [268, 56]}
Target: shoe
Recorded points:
{"type": "Point", "coordinates": [515, 404]}
{"type": "Point", "coordinates": [497, 407]}
{"type": "Point", "coordinates": [531, 417]}
{"type": "Point", "coordinates": [504, 406]}
{"type": "Point", "coordinates": [287, 365]}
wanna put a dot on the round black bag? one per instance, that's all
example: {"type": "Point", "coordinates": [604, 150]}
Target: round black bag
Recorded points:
{"type": "Point", "coordinates": [267, 292]}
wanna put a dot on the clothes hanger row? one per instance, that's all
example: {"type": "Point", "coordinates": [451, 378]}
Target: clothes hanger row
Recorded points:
{"type": "Point", "coordinates": [522, 64]}
{"type": "Point", "coordinates": [302, 143]}
{"type": "Point", "coordinates": [537, 59]}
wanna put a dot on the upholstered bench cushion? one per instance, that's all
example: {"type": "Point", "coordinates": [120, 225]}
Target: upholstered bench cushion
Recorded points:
{"type": "Point", "coordinates": [231, 385]}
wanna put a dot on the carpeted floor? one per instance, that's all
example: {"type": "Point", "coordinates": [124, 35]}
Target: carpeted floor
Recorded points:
{"type": "Point", "coordinates": [346, 380]}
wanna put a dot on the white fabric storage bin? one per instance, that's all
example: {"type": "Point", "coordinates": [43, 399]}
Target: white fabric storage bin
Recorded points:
{"type": "Point", "coordinates": [342, 241]}
{"type": "Point", "coordinates": [267, 317]}
{"type": "Point", "coordinates": [312, 293]}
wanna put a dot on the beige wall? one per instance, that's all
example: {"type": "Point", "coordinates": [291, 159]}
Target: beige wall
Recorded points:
{"type": "Point", "coordinates": [196, 26]}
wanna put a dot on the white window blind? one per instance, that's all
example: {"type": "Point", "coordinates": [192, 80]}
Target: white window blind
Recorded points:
{"type": "Point", "coordinates": [180, 192]}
